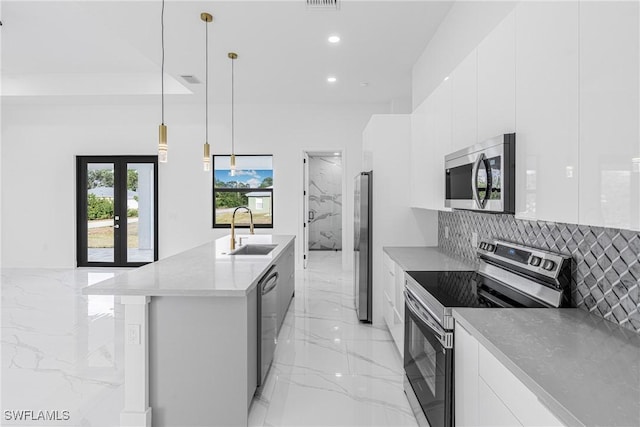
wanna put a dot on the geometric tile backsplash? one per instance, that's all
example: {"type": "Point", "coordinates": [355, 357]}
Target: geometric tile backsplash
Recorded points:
{"type": "Point", "coordinates": [605, 276]}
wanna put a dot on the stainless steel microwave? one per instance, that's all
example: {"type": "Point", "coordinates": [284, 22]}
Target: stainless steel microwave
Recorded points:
{"type": "Point", "coordinates": [482, 177]}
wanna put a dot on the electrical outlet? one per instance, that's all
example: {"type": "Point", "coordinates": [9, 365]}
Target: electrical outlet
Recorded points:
{"type": "Point", "coordinates": [446, 232]}
{"type": "Point", "coordinates": [474, 239]}
{"type": "Point", "coordinates": [133, 334]}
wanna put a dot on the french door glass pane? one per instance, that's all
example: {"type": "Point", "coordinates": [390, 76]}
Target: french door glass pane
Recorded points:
{"type": "Point", "coordinates": [100, 212]}
{"type": "Point", "coordinates": [140, 212]}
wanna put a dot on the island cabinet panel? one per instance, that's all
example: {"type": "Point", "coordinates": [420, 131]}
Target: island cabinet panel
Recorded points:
{"type": "Point", "coordinates": [202, 360]}
{"type": "Point", "coordinates": [285, 266]}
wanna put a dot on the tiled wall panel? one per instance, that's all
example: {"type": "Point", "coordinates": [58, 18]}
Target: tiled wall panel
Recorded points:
{"type": "Point", "coordinates": [605, 277]}
{"type": "Point", "coordinates": [325, 203]}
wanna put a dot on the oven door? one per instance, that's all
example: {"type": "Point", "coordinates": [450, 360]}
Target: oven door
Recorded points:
{"type": "Point", "coordinates": [428, 365]}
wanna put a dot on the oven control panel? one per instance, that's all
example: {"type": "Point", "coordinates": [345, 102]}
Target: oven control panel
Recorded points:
{"type": "Point", "coordinates": [537, 261]}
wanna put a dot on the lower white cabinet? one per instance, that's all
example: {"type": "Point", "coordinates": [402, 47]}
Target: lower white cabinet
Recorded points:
{"type": "Point", "coordinates": [488, 394]}
{"type": "Point", "coordinates": [494, 412]}
{"type": "Point", "coordinates": [393, 301]}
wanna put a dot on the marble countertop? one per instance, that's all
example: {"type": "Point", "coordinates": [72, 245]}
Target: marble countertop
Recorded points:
{"type": "Point", "coordinates": [424, 258]}
{"type": "Point", "coordinates": [206, 270]}
{"type": "Point", "coordinates": [585, 369]}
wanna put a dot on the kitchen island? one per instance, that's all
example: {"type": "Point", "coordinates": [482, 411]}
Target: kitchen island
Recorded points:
{"type": "Point", "coordinates": [191, 333]}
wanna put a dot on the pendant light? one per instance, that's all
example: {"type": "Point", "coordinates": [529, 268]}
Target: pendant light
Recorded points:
{"type": "Point", "coordinates": [206, 18]}
{"type": "Point", "coordinates": [233, 56]}
{"type": "Point", "coordinates": [162, 131]}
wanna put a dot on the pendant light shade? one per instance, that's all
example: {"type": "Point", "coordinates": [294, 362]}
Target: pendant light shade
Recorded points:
{"type": "Point", "coordinates": [233, 56]}
{"type": "Point", "coordinates": [206, 159]}
{"type": "Point", "coordinates": [163, 147]}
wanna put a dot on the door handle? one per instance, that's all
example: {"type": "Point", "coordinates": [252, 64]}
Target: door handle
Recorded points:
{"type": "Point", "coordinates": [474, 181]}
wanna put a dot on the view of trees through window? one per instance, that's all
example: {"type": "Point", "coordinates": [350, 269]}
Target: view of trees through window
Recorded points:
{"type": "Point", "coordinates": [250, 185]}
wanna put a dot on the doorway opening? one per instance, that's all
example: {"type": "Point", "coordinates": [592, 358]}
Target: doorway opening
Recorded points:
{"type": "Point", "coordinates": [324, 201]}
{"type": "Point", "coordinates": [117, 210]}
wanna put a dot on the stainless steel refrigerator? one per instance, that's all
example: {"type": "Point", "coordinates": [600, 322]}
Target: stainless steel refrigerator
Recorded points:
{"type": "Point", "coordinates": [362, 246]}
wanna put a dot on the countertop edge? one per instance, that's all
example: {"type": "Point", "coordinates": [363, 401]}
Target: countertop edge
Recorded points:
{"type": "Point", "coordinates": [91, 290]}
{"type": "Point", "coordinates": [543, 396]}
{"type": "Point", "coordinates": [454, 264]}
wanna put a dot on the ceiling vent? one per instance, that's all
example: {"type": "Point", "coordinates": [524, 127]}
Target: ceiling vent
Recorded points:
{"type": "Point", "coordinates": [191, 79]}
{"type": "Point", "coordinates": [323, 4]}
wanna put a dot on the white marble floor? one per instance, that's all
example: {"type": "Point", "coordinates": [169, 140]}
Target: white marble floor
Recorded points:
{"type": "Point", "coordinates": [62, 351]}
{"type": "Point", "coordinates": [330, 369]}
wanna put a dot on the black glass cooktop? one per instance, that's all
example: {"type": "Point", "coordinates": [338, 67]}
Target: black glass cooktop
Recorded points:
{"type": "Point", "coordinates": [450, 288]}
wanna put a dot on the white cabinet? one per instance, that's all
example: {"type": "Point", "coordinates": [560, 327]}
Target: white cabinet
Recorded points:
{"type": "Point", "coordinates": [430, 142]}
{"type": "Point", "coordinates": [512, 392]}
{"type": "Point", "coordinates": [494, 412]}
{"type": "Point", "coordinates": [547, 111]}
{"type": "Point", "coordinates": [488, 394]}
{"type": "Point", "coordinates": [609, 114]}
{"type": "Point", "coordinates": [464, 103]}
{"type": "Point", "coordinates": [393, 301]}
{"type": "Point", "coordinates": [421, 132]}
{"type": "Point", "coordinates": [496, 81]}
{"type": "Point", "coordinates": [466, 378]}
{"type": "Point", "coordinates": [285, 266]}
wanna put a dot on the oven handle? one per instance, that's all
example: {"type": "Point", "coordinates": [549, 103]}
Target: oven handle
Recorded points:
{"type": "Point", "coordinates": [414, 308]}
{"type": "Point", "coordinates": [493, 299]}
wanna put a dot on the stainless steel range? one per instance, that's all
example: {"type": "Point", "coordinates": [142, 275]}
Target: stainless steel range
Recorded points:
{"type": "Point", "coordinates": [508, 275]}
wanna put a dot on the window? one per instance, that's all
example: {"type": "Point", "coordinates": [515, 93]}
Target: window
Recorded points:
{"type": "Point", "coordinates": [250, 186]}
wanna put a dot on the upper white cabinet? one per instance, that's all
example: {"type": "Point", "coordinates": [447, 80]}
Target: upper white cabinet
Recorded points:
{"type": "Point", "coordinates": [421, 132]}
{"type": "Point", "coordinates": [496, 81]}
{"type": "Point", "coordinates": [609, 114]}
{"type": "Point", "coordinates": [464, 103]}
{"type": "Point", "coordinates": [547, 111]}
{"type": "Point", "coordinates": [430, 142]}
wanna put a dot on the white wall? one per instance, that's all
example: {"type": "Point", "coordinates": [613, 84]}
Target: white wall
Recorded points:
{"type": "Point", "coordinates": [466, 24]}
{"type": "Point", "coordinates": [40, 142]}
{"type": "Point", "coordinates": [387, 145]}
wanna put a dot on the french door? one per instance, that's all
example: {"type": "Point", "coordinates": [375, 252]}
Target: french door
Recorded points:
{"type": "Point", "coordinates": [117, 210]}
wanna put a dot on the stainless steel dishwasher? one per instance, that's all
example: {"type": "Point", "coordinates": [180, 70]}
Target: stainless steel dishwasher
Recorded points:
{"type": "Point", "coordinates": [267, 321]}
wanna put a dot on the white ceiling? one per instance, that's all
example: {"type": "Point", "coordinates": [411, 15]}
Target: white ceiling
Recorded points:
{"type": "Point", "coordinates": [111, 49]}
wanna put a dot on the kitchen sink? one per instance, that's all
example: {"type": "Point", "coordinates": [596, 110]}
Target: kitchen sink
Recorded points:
{"type": "Point", "coordinates": [253, 249]}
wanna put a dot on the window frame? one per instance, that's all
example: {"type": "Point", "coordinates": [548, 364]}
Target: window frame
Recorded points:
{"type": "Point", "coordinates": [239, 190]}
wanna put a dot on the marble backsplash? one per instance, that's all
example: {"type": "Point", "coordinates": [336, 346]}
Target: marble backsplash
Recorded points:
{"type": "Point", "coordinates": [605, 277]}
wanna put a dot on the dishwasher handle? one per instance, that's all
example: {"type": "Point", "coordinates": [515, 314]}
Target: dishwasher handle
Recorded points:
{"type": "Point", "coordinates": [267, 286]}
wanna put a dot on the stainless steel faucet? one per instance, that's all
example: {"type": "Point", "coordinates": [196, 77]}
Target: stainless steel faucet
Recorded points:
{"type": "Point", "coordinates": [233, 225]}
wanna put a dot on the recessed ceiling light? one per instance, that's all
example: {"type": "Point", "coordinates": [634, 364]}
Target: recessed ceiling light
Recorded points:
{"type": "Point", "coordinates": [331, 79]}
{"type": "Point", "coordinates": [364, 84]}
{"type": "Point", "coordinates": [334, 39]}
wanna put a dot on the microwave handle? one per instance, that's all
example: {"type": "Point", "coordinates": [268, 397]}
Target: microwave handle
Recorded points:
{"type": "Point", "coordinates": [474, 181]}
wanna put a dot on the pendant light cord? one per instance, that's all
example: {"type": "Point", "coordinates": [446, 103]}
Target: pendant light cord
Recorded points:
{"type": "Point", "coordinates": [232, 110]}
{"type": "Point", "coordinates": [162, 63]}
{"type": "Point", "coordinates": [206, 82]}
